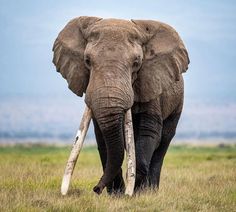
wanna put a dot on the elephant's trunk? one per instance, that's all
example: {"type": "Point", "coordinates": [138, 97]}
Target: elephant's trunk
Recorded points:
{"type": "Point", "coordinates": [108, 107]}
{"type": "Point", "coordinates": [109, 95]}
{"type": "Point", "coordinates": [114, 138]}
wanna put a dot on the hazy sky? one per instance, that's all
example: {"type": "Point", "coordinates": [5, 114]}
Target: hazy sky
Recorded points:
{"type": "Point", "coordinates": [29, 28]}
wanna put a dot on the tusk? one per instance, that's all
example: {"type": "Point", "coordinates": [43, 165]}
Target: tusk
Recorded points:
{"type": "Point", "coordinates": [79, 140]}
{"type": "Point", "coordinates": [130, 152]}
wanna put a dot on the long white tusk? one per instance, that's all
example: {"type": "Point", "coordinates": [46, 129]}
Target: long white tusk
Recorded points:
{"type": "Point", "coordinates": [79, 140]}
{"type": "Point", "coordinates": [130, 152]}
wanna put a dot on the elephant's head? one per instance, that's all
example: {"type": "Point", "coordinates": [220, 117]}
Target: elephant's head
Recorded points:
{"type": "Point", "coordinates": [116, 62]}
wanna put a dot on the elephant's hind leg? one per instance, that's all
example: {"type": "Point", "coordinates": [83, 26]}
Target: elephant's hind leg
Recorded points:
{"type": "Point", "coordinates": [168, 132]}
{"type": "Point", "coordinates": [118, 185]}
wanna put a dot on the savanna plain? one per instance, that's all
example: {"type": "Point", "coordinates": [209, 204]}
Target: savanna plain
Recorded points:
{"type": "Point", "coordinates": [193, 179]}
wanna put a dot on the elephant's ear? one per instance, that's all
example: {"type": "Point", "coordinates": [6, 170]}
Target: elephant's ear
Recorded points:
{"type": "Point", "coordinates": [165, 59]}
{"type": "Point", "coordinates": [68, 51]}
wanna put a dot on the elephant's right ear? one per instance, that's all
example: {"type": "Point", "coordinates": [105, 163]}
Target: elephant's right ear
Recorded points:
{"type": "Point", "coordinates": [68, 51]}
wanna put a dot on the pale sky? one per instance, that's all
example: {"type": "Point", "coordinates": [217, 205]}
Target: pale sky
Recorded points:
{"type": "Point", "coordinates": [28, 29]}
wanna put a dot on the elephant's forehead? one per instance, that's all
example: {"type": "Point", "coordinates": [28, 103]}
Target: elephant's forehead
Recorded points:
{"type": "Point", "coordinates": [115, 21]}
{"type": "Point", "coordinates": [115, 24]}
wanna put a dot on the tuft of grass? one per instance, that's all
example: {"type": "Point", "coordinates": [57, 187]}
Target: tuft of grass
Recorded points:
{"type": "Point", "coordinates": [193, 179]}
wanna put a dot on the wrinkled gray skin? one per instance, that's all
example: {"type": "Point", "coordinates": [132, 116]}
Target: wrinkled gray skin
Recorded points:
{"type": "Point", "coordinates": [119, 65]}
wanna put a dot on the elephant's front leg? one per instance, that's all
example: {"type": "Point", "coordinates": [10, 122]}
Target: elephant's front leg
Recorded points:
{"type": "Point", "coordinates": [147, 133]}
{"type": "Point", "coordinates": [118, 184]}
{"type": "Point", "coordinates": [168, 132]}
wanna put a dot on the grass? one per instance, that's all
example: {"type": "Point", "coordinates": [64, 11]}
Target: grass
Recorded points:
{"type": "Point", "coordinates": [193, 179]}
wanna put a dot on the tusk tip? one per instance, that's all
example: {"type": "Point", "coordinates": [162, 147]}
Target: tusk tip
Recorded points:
{"type": "Point", "coordinates": [65, 185]}
{"type": "Point", "coordinates": [130, 194]}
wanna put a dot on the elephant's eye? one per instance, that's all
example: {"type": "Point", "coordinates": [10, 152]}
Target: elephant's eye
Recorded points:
{"type": "Point", "coordinates": [136, 63]}
{"type": "Point", "coordinates": [87, 61]}
{"type": "Point", "coordinates": [94, 36]}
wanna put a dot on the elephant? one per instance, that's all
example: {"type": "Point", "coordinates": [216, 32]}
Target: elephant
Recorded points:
{"type": "Point", "coordinates": [121, 65]}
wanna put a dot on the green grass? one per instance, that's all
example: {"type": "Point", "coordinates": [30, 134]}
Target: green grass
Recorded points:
{"type": "Point", "coordinates": [193, 179]}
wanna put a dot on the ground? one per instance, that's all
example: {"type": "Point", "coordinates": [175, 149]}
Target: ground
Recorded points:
{"type": "Point", "coordinates": [193, 179]}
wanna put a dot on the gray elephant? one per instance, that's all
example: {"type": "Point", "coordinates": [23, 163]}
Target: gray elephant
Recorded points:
{"type": "Point", "coordinates": [119, 65]}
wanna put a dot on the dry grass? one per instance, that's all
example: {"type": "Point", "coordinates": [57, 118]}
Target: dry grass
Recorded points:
{"type": "Point", "coordinates": [193, 179]}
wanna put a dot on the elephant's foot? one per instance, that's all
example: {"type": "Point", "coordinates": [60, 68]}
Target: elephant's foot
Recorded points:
{"type": "Point", "coordinates": [153, 181]}
{"type": "Point", "coordinates": [117, 187]}
{"type": "Point", "coordinates": [116, 190]}
{"type": "Point", "coordinates": [141, 183]}
{"type": "Point", "coordinates": [146, 183]}
{"type": "Point", "coordinates": [141, 188]}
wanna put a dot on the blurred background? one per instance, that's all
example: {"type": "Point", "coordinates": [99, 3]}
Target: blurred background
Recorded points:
{"type": "Point", "coordinates": [37, 106]}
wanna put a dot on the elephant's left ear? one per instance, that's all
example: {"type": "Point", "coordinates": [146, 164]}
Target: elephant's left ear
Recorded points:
{"type": "Point", "coordinates": [165, 59]}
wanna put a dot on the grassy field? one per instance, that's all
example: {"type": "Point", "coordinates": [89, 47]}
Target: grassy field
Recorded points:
{"type": "Point", "coordinates": [193, 179]}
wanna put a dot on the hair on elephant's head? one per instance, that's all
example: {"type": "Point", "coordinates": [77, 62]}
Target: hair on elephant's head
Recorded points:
{"type": "Point", "coordinates": [116, 62]}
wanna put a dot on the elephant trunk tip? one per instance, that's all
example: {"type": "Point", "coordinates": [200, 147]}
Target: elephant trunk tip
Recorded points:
{"type": "Point", "coordinates": [99, 188]}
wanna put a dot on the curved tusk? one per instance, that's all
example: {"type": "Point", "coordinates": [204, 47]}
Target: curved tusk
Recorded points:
{"type": "Point", "coordinates": [79, 140]}
{"type": "Point", "coordinates": [130, 152]}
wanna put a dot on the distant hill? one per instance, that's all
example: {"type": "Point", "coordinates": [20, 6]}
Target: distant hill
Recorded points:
{"type": "Point", "coordinates": [58, 118]}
